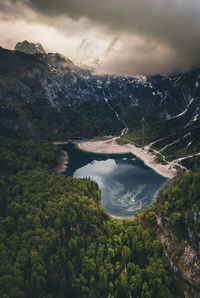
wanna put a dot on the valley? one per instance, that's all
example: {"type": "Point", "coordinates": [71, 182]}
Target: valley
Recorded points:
{"type": "Point", "coordinates": [57, 239]}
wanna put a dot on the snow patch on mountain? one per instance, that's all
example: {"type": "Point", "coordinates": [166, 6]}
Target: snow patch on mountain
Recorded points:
{"type": "Point", "coordinates": [185, 111]}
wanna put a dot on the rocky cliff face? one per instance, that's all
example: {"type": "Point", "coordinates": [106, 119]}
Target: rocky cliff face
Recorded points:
{"type": "Point", "coordinates": [32, 88]}
{"type": "Point", "coordinates": [177, 227]}
{"type": "Point", "coordinates": [182, 255]}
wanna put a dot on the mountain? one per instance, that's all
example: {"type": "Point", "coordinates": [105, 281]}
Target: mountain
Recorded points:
{"type": "Point", "coordinates": [34, 88]}
{"type": "Point", "coordinates": [29, 47]}
{"type": "Point", "coordinates": [47, 95]}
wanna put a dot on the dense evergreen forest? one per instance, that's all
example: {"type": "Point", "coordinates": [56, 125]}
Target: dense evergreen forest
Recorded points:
{"type": "Point", "coordinates": [56, 241]}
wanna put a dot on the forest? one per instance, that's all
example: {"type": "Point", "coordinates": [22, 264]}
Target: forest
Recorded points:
{"type": "Point", "coordinates": [57, 241]}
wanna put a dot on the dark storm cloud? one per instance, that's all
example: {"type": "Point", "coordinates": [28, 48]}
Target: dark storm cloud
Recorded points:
{"type": "Point", "coordinates": [168, 27]}
{"type": "Point", "coordinates": [172, 23]}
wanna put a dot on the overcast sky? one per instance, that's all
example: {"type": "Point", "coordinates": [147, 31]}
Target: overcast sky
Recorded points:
{"type": "Point", "coordinates": [127, 36]}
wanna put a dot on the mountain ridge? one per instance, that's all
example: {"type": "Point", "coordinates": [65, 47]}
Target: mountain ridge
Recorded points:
{"type": "Point", "coordinates": [46, 94]}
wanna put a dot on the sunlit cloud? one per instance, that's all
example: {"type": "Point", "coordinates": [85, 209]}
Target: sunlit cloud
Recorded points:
{"type": "Point", "coordinates": [126, 36]}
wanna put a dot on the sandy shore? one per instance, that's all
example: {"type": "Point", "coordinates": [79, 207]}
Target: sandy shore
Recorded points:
{"type": "Point", "coordinates": [110, 146]}
{"type": "Point", "coordinates": [62, 163]}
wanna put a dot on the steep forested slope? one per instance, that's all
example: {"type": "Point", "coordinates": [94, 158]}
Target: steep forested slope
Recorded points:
{"type": "Point", "coordinates": [178, 220]}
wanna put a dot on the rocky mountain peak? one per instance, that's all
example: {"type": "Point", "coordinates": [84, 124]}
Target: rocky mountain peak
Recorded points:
{"type": "Point", "coordinates": [29, 47]}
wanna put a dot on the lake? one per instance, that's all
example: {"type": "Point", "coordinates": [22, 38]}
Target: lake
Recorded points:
{"type": "Point", "coordinates": [127, 184]}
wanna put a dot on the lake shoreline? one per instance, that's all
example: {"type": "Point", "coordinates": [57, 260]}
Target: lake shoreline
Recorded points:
{"type": "Point", "coordinates": [111, 147]}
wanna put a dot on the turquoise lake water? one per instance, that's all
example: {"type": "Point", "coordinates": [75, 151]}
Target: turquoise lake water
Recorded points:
{"type": "Point", "coordinates": [127, 184]}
